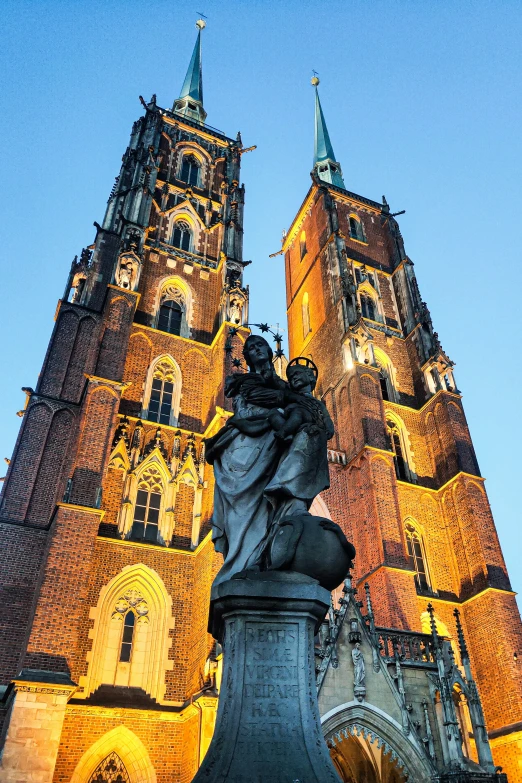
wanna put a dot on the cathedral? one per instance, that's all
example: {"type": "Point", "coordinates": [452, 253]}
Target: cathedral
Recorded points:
{"type": "Point", "coordinates": [108, 673]}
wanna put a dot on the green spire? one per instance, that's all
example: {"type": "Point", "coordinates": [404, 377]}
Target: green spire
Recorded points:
{"type": "Point", "coordinates": [325, 165]}
{"type": "Point", "coordinates": [190, 102]}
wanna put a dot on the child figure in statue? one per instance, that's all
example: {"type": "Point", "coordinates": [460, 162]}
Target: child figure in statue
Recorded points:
{"type": "Point", "coordinates": [305, 409]}
{"type": "Point", "coordinates": [304, 426]}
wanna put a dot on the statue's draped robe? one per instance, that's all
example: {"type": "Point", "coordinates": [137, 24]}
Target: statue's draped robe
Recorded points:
{"type": "Point", "coordinates": [249, 494]}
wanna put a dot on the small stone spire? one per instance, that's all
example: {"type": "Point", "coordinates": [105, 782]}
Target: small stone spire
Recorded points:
{"type": "Point", "coordinates": [325, 165]}
{"type": "Point", "coordinates": [464, 655]}
{"type": "Point", "coordinates": [190, 102]}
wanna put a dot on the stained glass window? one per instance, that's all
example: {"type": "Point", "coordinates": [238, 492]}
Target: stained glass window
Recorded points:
{"type": "Point", "coordinates": [110, 770]}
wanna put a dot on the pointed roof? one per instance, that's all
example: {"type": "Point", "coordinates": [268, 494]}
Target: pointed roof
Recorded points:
{"type": "Point", "coordinates": [325, 164]}
{"type": "Point", "coordinates": [190, 101]}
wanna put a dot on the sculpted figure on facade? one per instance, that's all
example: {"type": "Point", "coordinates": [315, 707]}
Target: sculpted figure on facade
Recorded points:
{"type": "Point", "coordinates": [270, 462]}
{"type": "Point", "coordinates": [359, 673]}
{"type": "Point", "coordinates": [127, 271]}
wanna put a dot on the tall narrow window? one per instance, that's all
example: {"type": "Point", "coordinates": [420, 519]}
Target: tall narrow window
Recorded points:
{"type": "Point", "coordinates": [160, 404]}
{"type": "Point", "coordinates": [182, 235]}
{"type": "Point", "coordinates": [147, 507]}
{"type": "Point", "coordinates": [190, 170]}
{"type": "Point", "coordinates": [305, 307]}
{"type": "Point", "coordinates": [416, 558]}
{"type": "Point", "coordinates": [384, 385]}
{"type": "Point", "coordinates": [127, 637]}
{"type": "Point", "coordinates": [163, 395]}
{"type": "Point", "coordinates": [170, 317]}
{"type": "Point", "coordinates": [400, 463]}
{"type": "Point", "coordinates": [368, 307]}
{"type": "Point", "coordinates": [302, 245]}
{"type": "Point", "coordinates": [356, 229]}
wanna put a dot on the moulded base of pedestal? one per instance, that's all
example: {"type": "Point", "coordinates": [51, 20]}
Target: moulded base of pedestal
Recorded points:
{"type": "Point", "coordinates": [268, 727]}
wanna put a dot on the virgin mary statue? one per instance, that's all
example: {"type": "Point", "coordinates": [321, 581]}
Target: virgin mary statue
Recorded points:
{"type": "Point", "coordinates": [250, 495]}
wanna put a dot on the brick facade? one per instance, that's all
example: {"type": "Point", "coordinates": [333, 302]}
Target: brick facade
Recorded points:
{"type": "Point", "coordinates": [375, 370]}
{"type": "Point", "coordinates": [87, 441]}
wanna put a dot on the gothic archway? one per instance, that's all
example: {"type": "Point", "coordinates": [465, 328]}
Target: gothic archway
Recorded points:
{"type": "Point", "coordinates": [367, 744]}
{"type": "Point", "coordinates": [125, 750]}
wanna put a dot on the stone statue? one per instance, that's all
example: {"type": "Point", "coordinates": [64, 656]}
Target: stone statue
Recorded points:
{"type": "Point", "coordinates": [270, 462]}
{"type": "Point", "coordinates": [359, 673]}
{"type": "Point", "coordinates": [235, 311]}
{"type": "Point", "coordinates": [127, 271]}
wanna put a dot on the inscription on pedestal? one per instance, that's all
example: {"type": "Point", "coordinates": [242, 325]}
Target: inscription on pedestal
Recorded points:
{"type": "Point", "coordinates": [270, 714]}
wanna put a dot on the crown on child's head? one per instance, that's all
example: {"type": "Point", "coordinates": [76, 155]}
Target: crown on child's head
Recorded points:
{"type": "Point", "coordinates": [303, 361]}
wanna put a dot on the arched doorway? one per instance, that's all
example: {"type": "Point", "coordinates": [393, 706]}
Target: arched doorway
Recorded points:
{"type": "Point", "coordinates": [358, 757]}
{"type": "Point", "coordinates": [368, 745]}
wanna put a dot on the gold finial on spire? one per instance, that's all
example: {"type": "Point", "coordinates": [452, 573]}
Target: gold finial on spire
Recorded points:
{"type": "Point", "coordinates": [201, 24]}
{"type": "Point", "coordinates": [314, 81]}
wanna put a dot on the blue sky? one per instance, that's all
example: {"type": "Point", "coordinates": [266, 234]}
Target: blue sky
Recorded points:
{"type": "Point", "coordinates": [422, 102]}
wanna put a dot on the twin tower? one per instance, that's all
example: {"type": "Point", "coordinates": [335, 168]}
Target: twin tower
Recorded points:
{"type": "Point", "coordinates": [107, 670]}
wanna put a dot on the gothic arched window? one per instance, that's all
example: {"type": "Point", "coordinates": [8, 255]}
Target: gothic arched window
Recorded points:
{"type": "Point", "coordinates": [356, 229]}
{"type": "Point", "coordinates": [383, 380]}
{"type": "Point", "coordinates": [148, 505]}
{"type": "Point", "coordinates": [161, 394]}
{"type": "Point", "coordinates": [190, 170]}
{"type": "Point", "coordinates": [170, 317]}
{"type": "Point", "coordinates": [182, 235]}
{"type": "Point", "coordinates": [397, 448]}
{"type": "Point", "coordinates": [416, 557]}
{"type": "Point", "coordinates": [368, 307]}
{"type": "Point", "coordinates": [305, 309]}
{"type": "Point", "coordinates": [110, 770]}
{"type": "Point", "coordinates": [386, 374]}
{"type": "Point", "coordinates": [127, 637]}
{"type": "Point", "coordinates": [302, 245]}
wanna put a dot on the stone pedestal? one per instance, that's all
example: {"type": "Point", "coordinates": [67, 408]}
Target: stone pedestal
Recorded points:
{"type": "Point", "coordinates": [268, 728]}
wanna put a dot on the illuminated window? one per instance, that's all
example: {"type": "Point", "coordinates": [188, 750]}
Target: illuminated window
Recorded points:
{"type": "Point", "coordinates": [110, 770]}
{"type": "Point", "coordinates": [182, 235]}
{"type": "Point", "coordinates": [148, 505]}
{"type": "Point", "coordinates": [190, 170]}
{"type": "Point", "coordinates": [302, 245]}
{"type": "Point", "coordinates": [170, 317]}
{"type": "Point", "coordinates": [416, 558]}
{"type": "Point", "coordinates": [356, 229]}
{"type": "Point", "coordinates": [305, 308]}
{"type": "Point", "coordinates": [127, 637]}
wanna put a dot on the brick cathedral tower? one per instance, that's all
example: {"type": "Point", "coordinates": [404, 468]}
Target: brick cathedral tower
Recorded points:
{"type": "Point", "coordinates": [405, 482]}
{"type": "Point", "coordinates": [107, 559]}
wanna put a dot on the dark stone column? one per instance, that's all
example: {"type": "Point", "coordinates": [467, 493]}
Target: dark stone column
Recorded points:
{"type": "Point", "coordinates": [268, 726]}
